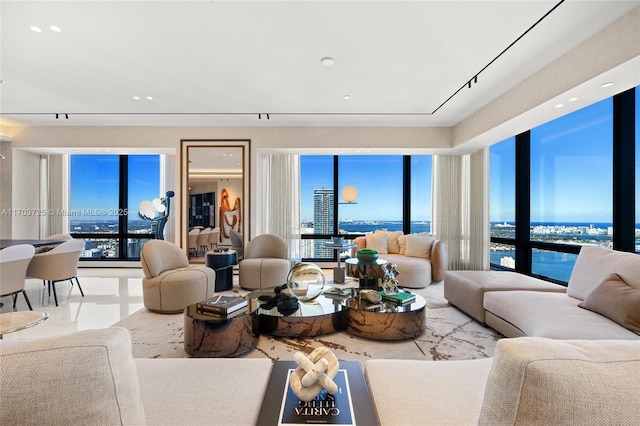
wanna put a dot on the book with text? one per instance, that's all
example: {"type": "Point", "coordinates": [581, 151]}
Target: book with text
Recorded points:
{"type": "Point", "coordinates": [400, 298]}
{"type": "Point", "coordinates": [222, 304]}
{"type": "Point", "coordinates": [324, 409]}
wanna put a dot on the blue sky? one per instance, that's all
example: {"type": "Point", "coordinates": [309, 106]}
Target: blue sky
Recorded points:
{"type": "Point", "coordinates": [378, 180]}
{"type": "Point", "coordinates": [94, 184]}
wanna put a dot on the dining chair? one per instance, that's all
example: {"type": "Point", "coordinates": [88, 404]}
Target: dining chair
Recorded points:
{"type": "Point", "coordinates": [193, 242]}
{"type": "Point", "coordinates": [14, 262]}
{"type": "Point", "coordinates": [203, 241]}
{"type": "Point", "coordinates": [58, 264]}
{"type": "Point", "coordinates": [237, 243]}
{"type": "Point", "coordinates": [214, 238]}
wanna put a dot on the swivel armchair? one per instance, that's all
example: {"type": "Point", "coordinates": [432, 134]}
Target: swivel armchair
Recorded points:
{"type": "Point", "coordinates": [170, 284]}
{"type": "Point", "coordinates": [265, 263]}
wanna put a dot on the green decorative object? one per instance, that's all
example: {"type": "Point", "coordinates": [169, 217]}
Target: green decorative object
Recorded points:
{"type": "Point", "coordinates": [305, 281]}
{"type": "Point", "coordinates": [367, 255]}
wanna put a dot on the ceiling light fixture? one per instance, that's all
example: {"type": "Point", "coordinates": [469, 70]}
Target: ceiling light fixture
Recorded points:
{"type": "Point", "coordinates": [56, 28]}
{"type": "Point", "coordinates": [150, 98]}
{"type": "Point", "coordinates": [559, 105]}
{"type": "Point", "coordinates": [573, 99]}
{"type": "Point", "coordinates": [327, 61]}
{"type": "Point", "coordinates": [137, 98]}
{"type": "Point", "coordinates": [607, 84]}
{"type": "Point", "coordinates": [36, 29]}
{"type": "Point", "coordinates": [347, 97]}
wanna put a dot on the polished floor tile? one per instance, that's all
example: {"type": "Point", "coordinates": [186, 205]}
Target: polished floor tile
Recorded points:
{"type": "Point", "coordinates": [111, 294]}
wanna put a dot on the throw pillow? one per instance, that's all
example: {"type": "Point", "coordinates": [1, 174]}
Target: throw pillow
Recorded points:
{"type": "Point", "coordinates": [377, 242]}
{"type": "Point", "coordinates": [616, 300]}
{"type": "Point", "coordinates": [419, 246]}
{"type": "Point", "coordinates": [402, 243]}
{"type": "Point", "coordinates": [393, 246]}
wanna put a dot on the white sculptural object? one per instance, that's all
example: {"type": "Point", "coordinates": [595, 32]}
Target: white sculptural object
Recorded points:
{"type": "Point", "coordinates": [314, 373]}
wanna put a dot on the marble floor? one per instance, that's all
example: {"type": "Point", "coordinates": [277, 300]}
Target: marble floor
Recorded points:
{"type": "Point", "coordinates": [111, 294]}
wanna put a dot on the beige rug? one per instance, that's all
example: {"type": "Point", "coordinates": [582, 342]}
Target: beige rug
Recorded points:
{"type": "Point", "coordinates": [450, 334]}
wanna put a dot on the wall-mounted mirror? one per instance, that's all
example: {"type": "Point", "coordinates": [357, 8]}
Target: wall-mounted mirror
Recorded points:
{"type": "Point", "coordinates": [215, 196]}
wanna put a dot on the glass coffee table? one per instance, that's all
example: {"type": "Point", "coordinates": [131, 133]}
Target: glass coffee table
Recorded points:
{"type": "Point", "coordinates": [15, 321]}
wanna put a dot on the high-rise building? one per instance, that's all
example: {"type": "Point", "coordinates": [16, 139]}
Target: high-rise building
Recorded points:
{"type": "Point", "coordinates": [322, 218]}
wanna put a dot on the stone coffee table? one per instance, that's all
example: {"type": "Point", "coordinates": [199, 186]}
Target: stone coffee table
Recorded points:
{"type": "Point", "coordinates": [206, 336]}
{"type": "Point", "coordinates": [386, 322]}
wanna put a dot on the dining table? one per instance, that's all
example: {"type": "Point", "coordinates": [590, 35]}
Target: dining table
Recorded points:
{"type": "Point", "coordinates": [33, 242]}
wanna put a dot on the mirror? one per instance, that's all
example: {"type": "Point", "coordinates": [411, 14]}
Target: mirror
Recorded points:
{"type": "Point", "coordinates": [214, 194]}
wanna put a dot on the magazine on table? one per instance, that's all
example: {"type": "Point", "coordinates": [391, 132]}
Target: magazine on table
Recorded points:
{"type": "Point", "coordinates": [324, 409]}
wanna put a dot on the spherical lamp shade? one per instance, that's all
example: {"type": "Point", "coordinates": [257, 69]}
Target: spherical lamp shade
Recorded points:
{"type": "Point", "coordinates": [305, 281]}
{"type": "Point", "coordinates": [349, 193]}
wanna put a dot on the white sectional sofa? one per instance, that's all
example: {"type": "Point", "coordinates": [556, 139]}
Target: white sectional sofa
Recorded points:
{"type": "Point", "coordinates": [91, 378]}
{"type": "Point", "coordinates": [530, 381]}
{"type": "Point", "coordinates": [601, 301]}
{"type": "Point", "coordinates": [420, 258]}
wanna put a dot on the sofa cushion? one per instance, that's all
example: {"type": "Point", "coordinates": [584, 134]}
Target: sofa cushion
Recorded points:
{"type": "Point", "coordinates": [547, 314]}
{"type": "Point", "coordinates": [83, 378]}
{"type": "Point", "coordinates": [418, 392]}
{"type": "Point", "coordinates": [551, 382]}
{"type": "Point", "coordinates": [616, 300]}
{"type": "Point", "coordinates": [595, 264]}
{"type": "Point", "coordinates": [418, 246]}
{"type": "Point", "coordinates": [377, 241]}
{"type": "Point", "coordinates": [203, 391]}
{"type": "Point", "coordinates": [402, 243]}
{"type": "Point", "coordinates": [393, 246]}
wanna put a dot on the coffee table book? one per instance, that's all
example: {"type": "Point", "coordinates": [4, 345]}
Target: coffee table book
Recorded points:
{"type": "Point", "coordinates": [400, 298]}
{"type": "Point", "coordinates": [221, 304]}
{"type": "Point", "coordinates": [350, 406]}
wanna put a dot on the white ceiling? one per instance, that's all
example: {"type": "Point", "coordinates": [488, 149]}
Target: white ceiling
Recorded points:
{"type": "Point", "coordinates": [221, 63]}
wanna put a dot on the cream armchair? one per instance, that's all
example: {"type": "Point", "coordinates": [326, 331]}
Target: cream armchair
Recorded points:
{"type": "Point", "coordinates": [170, 284]}
{"type": "Point", "coordinates": [265, 263]}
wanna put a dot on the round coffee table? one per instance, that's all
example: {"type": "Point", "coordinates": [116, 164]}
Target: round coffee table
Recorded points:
{"type": "Point", "coordinates": [206, 336]}
{"type": "Point", "coordinates": [320, 316]}
{"type": "Point", "coordinates": [386, 322]}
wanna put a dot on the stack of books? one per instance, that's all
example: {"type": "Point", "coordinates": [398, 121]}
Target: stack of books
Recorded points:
{"type": "Point", "coordinates": [400, 298]}
{"type": "Point", "coordinates": [222, 306]}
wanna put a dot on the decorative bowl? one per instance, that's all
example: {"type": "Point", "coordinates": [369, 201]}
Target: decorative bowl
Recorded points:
{"type": "Point", "coordinates": [367, 256]}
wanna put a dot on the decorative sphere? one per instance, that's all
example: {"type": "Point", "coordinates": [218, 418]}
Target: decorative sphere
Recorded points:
{"type": "Point", "coordinates": [305, 281]}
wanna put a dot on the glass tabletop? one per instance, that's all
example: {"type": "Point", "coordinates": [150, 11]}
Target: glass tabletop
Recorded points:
{"type": "Point", "coordinates": [16, 321]}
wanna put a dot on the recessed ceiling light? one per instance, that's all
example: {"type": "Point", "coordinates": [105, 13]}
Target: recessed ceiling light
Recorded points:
{"type": "Point", "coordinates": [137, 98]}
{"type": "Point", "coordinates": [559, 105]}
{"type": "Point", "coordinates": [327, 61]}
{"type": "Point", "coordinates": [607, 84]}
{"type": "Point", "coordinates": [36, 29]}
{"type": "Point", "coordinates": [150, 98]}
{"type": "Point", "coordinates": [347, 97]}
{"type": "Point", "coordinates": [573, 99]}
{"type": "Point", "coordinates": [56, 28]}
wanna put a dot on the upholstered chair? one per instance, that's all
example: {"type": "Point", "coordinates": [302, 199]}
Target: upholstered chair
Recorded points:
{"type": "Point", "coordinates": [237, 243]}
{"type": "Point", "coordinates": [14, 262]}
{"type": "Point", "coordinates": [58, 264]}
{"type": "Point", "coordinates": [265, 263]}
{"type": "Point", "coordinates": [203, 241]}
{"type": "Point", "coordinates": [193, 242]}
{"type": "Point", "coordinates": [214, 238]}
{"type": "Point", "coordinates": [170, 284]}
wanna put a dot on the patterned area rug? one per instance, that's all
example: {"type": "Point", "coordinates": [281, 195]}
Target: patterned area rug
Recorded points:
{"type": "Point", "coordinates": [450, 334]}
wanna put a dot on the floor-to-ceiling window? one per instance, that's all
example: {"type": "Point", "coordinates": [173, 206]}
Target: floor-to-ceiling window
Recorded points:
{"type": "Point", "coordinates": [351, 195]}
{"type": "Point", "coordinates": [566, 184]}
{"type": "Point", "coordinates": [105, 192]}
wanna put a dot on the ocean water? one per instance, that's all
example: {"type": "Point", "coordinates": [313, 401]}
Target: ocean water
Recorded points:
{"type": "Point", "coordinates": [546, 263]}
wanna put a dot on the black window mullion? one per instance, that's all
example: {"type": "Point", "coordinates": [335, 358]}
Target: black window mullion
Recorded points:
{"type": "Point", "coordinates": [123, 225]}
{"type": "Point", "coordinates": [523, 202]}
{"type": "Point", "coordinates": [406, 194]}
{"type": "Point", "coordinates": [624, 157]}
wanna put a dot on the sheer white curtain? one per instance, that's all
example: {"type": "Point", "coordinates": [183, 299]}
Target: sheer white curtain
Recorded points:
{"type": "Point", "coordinates": [281, 198]}
{"type": "Point", "coordinates": [54, 194]}
{"type": "Point", "coordinates": [460, 214]}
